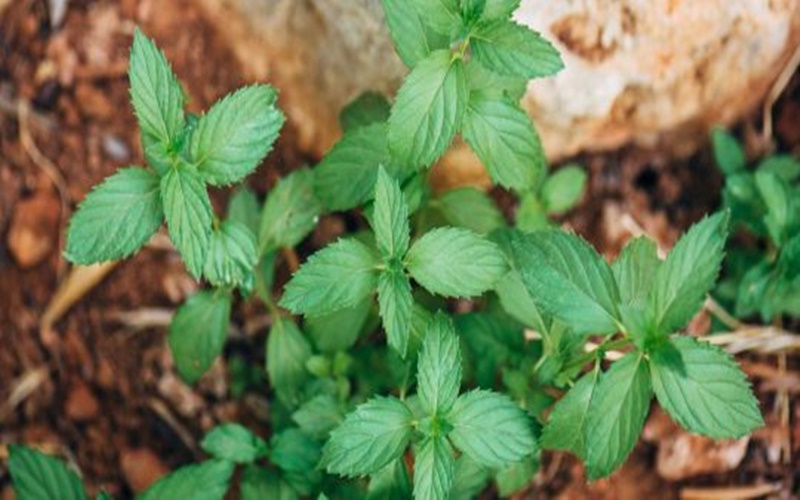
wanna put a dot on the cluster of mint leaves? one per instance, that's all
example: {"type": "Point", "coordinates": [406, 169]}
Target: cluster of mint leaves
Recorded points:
{"type": "Point", "coordinates": [337, 388]}
{"type": "Point", "coordinates": [184, 155]}
{"type": "Point", "coordinates": [765, 202]}
{"type": "Point", "coordinates": [278, 469]}
{"type": "Point", "coordinates": [644, 301]}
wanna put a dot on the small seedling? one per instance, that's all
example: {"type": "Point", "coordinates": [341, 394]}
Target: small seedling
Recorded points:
{"type": "Point", "coordinates": [764, 202]}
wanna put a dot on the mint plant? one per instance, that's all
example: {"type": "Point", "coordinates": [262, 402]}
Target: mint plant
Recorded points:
{"type": "Point", "coordinates": [763, 202]}
{"type": "Point", "coordinates": [446, 261]}
{"type": "Point", "coordinates": [469, 64]}
{"type": "Point", "coordinates": [367, 378]}
{"type": "Point", "coordinates": [639, 301]}
{"type": "Point", "coordinates": [487, 427]}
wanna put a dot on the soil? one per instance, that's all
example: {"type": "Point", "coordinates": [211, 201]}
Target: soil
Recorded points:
{"type": "Point", "coordinates": [98, 388]}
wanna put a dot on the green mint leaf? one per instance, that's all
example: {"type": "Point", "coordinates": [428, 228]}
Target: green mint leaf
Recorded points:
{"type": "Point", "coordinates": [517, 302]}
{"type": "Point", "coordinates": [318, 416]}
{"type": "Point", "coordinates": [236, 134]}
{"type": "Point", "coordinates": [157, 99]}
{"type": "Point", "coordinates": [294, 451]}
{"type": "Point", "coordinates": [198, 331]}
{"type": "Point", "coordinates": [290, 212]}
{"type": "Point", "coordinates": [469, 480]}
{"type": "Point", "coordinates": [740, 195]}
{"type": "Point", "coordinates": [617, 412]}
{"type": "Point", "coordinates": [503, 137]}
{"type": "Point", "coordinates": [265, 276]}
{"type": "Point", "coordinates": [259, 483]}
{"type": "Point", "coordinates": [492, 341]}
{"type": "Point", "coordinates": [491, 86]}
{"type": "Point", "coordinates": [754, 286]}
{"type": "Point", "coordinates": [728, 153]}
{"type": "Point", "coordinates": [35, 475]}
{"type": "Point", "coordinates": [287, 353]}
{"type": "Point", "coordinates": [471, 209]}
{"type": "Point", "coordinates": [471, 10]}
{"type": "Point", "coordinates": [455, 263]}
{"type": "Point", "coordinates": [499, 9]}
{"type": "Point", "coordinates": [512, 49]}
{"type": "Point", "coordinates": [205, 481]}
{"type": "Point", "coordinates": [789, 260]}
{"type": "Point", "coordinates": [517, 476]}
{"type": "Point", "coordinates": [705, 391]}
{"type": "Point", "coordinates": [189, 214]}
{"type": "Point", "coordinates": [562, 190]}
{"type": "Point", "coordinates": [440, 15]}
{"type": "Point", "coordinates": [370, 437]}
{"type": "Point", "coordinates": [116, 219]}
{"type": "Point", "coordinates": [339, 276]}
{"type": "Point", "coordinates": [232, 255]}
{"type": "Point", "coordinates": [235, 443]}
{"type": "Point", "coordinates": [439, 367]}
{"type": "Point", "coordinates": [531, 214]}
{"type": "Point", "coordinates": [569, 280]}
{"type": "Point", "coordinates": [390, 483]}
{"type": "Point", "coordinates": [566, 425]}
{"type": "Point", "coordinates": [688, 273]}
{"type": "Point", "coordinates": [345, 178]}
{"type": "Point", "coordinates": [777, 196]}
{"type": "Point", "coordinates": [514, 297]}
{"type": "Point", "coordinates": [395, 304]}
{"type": "Point", "coordinates": [635, 269]}
{"type": "Point", "coordinates": [785, 166]}
{"type": "Point", "coordinates": [411, 40]}
{"type": "Point", "coordinates": [433, 469]}
{"type": "Point", "coordinates": [368, 108]}
{"type": "Point", "coordinates": [491, 429]}
{"type": "Point", "coordinates": [339, 330]}
{"type": "Point", "coordinates": [245, 209]}
{"type": "Point", "coordinates": [390, 217]}
{"type": "Point", "coordinates": [429, 109]}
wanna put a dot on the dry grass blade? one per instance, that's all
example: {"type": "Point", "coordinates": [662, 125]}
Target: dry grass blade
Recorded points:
{"type": "Point", "coordinates": [23, 387]}
{"type": "Point", "coordinates": [144, 318]}
{"type": "Point", "coordinates": [733, 493]}
{"type": "Point", "coordinates": [80, 280]}
{"type": "Point", "coordinates": [763, 340]}
{"type": "Point", "coordinates": [160, 409]}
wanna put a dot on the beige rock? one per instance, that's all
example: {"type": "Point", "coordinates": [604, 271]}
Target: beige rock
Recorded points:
{"type": "Point", "coordinates": [657, 73]}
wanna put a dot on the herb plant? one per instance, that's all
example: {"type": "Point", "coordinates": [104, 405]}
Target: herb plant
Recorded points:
{"type": "Point", "coordinates": [377, 389]}
{"type": "Point", "coordinates": [762, 279]}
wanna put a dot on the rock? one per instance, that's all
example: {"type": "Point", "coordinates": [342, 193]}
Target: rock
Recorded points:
{"type": "Point", "coordinates": [657, 74]}
{"type": "Point", "coordinates": [81, 404]}
{"type": "Point", "coordinates": [141, 468]}
{"type": "Point", "coordinates": [34, 229]}
{"type": "Point", "coordinates": [682, 455]}
{"type": "Point", "coordinates": [93, 102]}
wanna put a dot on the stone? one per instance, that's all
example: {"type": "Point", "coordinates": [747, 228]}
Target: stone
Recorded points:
{"type": "Point", "coordinates": [93, 102]}
{"type": "Point", "coordinates": [654, 73]}
{"type": "Point", "coordinates": [141, 468]}
{"type": "Point", "coordinates": [81, 404]}
{"type": "Point", "coordinates": [33, 231]}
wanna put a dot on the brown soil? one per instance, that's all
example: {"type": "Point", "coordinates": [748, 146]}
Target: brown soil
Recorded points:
{"type": "Point", "coordinates": [99, 389]}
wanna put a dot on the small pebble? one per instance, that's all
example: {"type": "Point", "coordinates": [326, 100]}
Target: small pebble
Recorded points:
{"type": "Point", "coordinates": [34, 229]}
{"type": "Point", "coordinates": [141, 468]}
{"type": "Point", "coordinates": [115, 148]}
{"type": "Point", "coordinates": [81, 404]}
